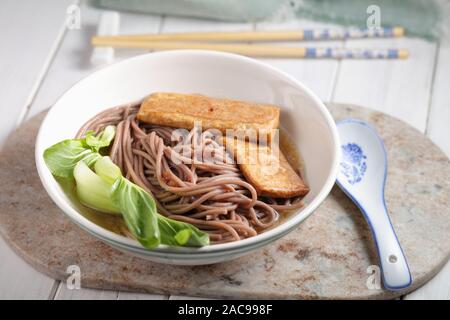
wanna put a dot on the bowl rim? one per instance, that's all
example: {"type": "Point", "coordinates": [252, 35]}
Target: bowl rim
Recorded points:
{"type": "Point", "coordinates": [124, 242]}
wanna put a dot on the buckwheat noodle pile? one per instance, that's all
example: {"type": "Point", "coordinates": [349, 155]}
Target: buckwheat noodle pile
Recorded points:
{"type": "Point", "coordinates": [212, 195]}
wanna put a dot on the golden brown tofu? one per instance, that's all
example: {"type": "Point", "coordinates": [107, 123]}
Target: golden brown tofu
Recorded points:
{"type": "Point", "coordinates": [267, 169]}
{"type": "Point", "coordinates": [182, 110]}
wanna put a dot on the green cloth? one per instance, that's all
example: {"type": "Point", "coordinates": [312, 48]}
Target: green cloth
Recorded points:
{"type": "Point", "coordinates": [419, 17]}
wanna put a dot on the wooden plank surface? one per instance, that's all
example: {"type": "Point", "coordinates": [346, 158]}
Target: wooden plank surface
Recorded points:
{"type": "Point", "coordinates": [400, 88]}
{"type": "Point", "coordinates": [23, 67]}
{"type": "Point", "coordinates": [72, 61]}
{"type": "Point", "coordinates": [438, 128]}
{"type": "Point", "coordinates": [437, 288]}
{"type": "Point", "coordinates": [317, 75]}
{"type": "Point", "coordinates": [64, 293]}
{"type": "Point", "coordinates": [18, 280]}
{"type": "Point", "coordinates": [22, 72]}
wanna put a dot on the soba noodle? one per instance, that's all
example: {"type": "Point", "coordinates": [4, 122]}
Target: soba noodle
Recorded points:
{"type": "Point", "coordinates": [212, 196]}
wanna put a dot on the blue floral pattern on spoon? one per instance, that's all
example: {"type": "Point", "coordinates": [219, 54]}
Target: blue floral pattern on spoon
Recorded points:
{"type": "Point", "coordinates": [353, 165]}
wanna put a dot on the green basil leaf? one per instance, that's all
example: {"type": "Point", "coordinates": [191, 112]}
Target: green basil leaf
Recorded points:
{"type": "Point", "coordinates": [61, 158]}
{"type": "Point", "coordinates": [139, 211]}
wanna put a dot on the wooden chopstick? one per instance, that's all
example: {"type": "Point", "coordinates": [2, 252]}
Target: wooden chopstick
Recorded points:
{"type": "Point", "coordinates": [288, 35]}
{"type": "Point", "coordinates": [259, 50]}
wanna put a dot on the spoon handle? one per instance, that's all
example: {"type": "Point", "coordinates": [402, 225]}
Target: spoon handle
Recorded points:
{"type": "Point", "coordinates": [394, 267]}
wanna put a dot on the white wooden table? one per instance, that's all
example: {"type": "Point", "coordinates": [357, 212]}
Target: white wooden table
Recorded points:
{"type": "Point", "coordinates": [40, 59]}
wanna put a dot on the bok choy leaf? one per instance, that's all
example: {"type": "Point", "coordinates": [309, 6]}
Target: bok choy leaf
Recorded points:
{"type": "Point", "coordinates": [101, 186]}
{"type": "Point", "coordinates": [61, 158]}
{"type": "Point", "coordinates": [149, 227]}
{"type": "Point", "coordinates": [103, 139]}
{"type": "Point", "coordinates": [107, 170]}
{"type": "Point", "coordinates": [177, 233]}
{"type": "Point", "coordinates": [92, 190]}
{"type": "Point", "coordinates": [139, 211]}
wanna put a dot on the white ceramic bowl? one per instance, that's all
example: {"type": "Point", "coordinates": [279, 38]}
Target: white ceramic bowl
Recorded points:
{"type": "Point", "coordinates": [215, 74]}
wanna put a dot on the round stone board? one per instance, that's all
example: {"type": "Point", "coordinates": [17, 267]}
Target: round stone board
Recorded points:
{"type": "Point", "coordinates": [328, 256]}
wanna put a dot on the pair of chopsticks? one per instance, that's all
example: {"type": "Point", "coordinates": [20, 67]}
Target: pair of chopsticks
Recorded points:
{"type": "Point", "coordinates": [223, 41]}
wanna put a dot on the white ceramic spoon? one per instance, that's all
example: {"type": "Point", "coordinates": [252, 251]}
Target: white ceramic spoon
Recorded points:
{"type": "Point", "coordinates": [362, 176]}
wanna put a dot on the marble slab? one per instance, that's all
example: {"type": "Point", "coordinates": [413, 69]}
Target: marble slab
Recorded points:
{"type": "Point", "coordinates": [329, 256]}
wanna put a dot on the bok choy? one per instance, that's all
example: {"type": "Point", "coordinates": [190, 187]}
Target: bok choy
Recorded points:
{"type": "Point", "coordinates": [62, 157]}
{"type": "Point", "coordinates": [101, 186]}
{"type": "Point", "coordinates": [92, 190]}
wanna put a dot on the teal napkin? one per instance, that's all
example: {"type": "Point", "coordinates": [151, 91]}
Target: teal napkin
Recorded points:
{"type": "Point", "coordinates": [227, 10]}
{"type": "Point", "coordinates": [419, 18]}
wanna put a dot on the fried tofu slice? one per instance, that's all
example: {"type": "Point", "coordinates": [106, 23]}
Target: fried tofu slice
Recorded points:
{"type": "Point", "coordinates": [266, 168]}
{"type": "Point", "coordinates": [183, 110]}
